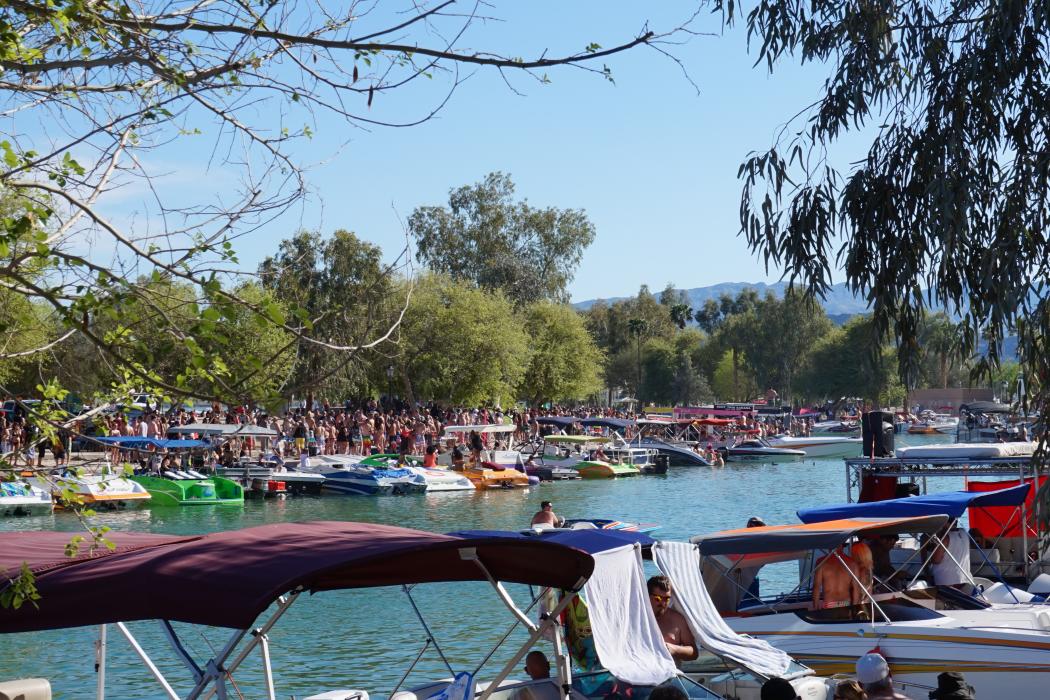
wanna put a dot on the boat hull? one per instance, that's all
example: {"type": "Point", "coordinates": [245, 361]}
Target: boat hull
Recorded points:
{"type": "Point", "coordinates": [488, 479]}
{"type": "Point", "coordinates": [604, 470]}
{"type": "Point", "coordinates": [817, 448]}
{"type": "Point", "coordinates": [998, 662]}
{"type": "Point", "coordinates": [763, 455]}
{"type": "Point", "coordinates": [18, 498]}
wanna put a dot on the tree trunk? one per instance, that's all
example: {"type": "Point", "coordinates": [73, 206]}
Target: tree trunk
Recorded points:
{"type": "Point", "coordinates": [736, 372]}
{"type": "Point", "coordinates": [406, 384]}
{"type": "Point", "coordinates": [944, 370]}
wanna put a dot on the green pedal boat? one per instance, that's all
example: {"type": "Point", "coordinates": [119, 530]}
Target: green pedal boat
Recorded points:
{"type": "Point", "coordinates": [594, 469]}
{"type": "Point", "coordinates": [182, 489]}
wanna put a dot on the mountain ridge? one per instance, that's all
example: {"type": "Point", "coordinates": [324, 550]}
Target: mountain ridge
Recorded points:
{"type": "Point", "coordinates": [839, 302]}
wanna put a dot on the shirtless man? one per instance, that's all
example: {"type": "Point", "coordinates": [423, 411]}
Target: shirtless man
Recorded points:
{"type": "Point", "coordinates": [546, 515]}
{"type": "Point", "coordinates": [833, 582]}
{"type": "Point", "coordinates": [673, 626]}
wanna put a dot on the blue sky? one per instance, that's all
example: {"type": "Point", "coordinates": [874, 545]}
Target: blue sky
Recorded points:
{"type": "Point", "coordinates": [652, 162]}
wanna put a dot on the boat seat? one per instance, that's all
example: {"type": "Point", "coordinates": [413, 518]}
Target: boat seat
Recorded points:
{"type": "Point", "coordinates": [343, 695]}
{"type": "Point", "coordinates": [25, 689]}
{"type": "Point", "coordinates": [170, 475]}
{"type": "Point", "coordinates": [195, 474]}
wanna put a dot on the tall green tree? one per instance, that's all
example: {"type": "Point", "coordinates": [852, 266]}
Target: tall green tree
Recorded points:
{"type": "Point", "coordinates": [943, 341]}
{"type": "Point", "coordinates": [459, 343]}
{"type": "Point", "coordinates": [564, 361]}
{"type": "Point", "coordinates": [341, 290]}
{"type": "Point", "coordinates": [637, 328]}
{"type": "Point", "coordinates": [779, 336]}
{"type": "Point", "coordinates": [947, 205]}
{"type": "Point", "coordinates": [488, 238]}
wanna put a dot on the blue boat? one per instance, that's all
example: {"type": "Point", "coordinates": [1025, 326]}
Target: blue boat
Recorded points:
{"type": "Point", "coordinates": [345, 474]}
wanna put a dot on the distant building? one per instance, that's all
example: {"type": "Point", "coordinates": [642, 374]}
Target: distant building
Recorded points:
{"type": "Point", "coordinates": [946, 400]}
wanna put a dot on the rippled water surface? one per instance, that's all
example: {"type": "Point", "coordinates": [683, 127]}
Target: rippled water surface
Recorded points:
{"type": "Point", "coordinates": [367, 638]}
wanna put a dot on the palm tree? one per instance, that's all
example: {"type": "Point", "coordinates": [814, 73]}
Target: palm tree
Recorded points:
{"type": "Point", "coordinates": [943, 339]}
{"type": "Point", "coordinates": [681, 314]}
{"type": "Point", "coordinates": [637, 327]}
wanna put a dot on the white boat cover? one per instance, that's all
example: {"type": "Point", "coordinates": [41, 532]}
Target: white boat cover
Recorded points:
{"type": "Point", "coordinates": [626, 636]}
{"type": "Point", "coordinates": [971, 450]}
{"type": "Point", "coordinates": [680, 562]}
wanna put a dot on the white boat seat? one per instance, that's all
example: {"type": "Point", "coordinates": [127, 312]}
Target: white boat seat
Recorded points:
{"type": "Point", "coordinates": [169, 475]}
{"type": "Point", "coordinates": [1041, 585]}
{"type": "Point", "coordinates": [25, 689]}
{"type": "Point", "coordinates": [182, 475]}
{"type": "Point", "coordinates": [344, 695]}
{"type": "Point", "coordinates": [195, 474]}
{"type": "Point", "coordinates": [1001, 593]}
{"type": "Point", "coordinates": [403, 695]}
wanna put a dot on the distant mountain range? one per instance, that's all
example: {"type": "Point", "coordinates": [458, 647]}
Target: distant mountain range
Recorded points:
{"type": "Point", "coordinates": [840, 303]}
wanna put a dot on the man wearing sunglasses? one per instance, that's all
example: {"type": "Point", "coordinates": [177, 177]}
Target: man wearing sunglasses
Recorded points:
{"type": "Point", "coordinates": [673, 626]}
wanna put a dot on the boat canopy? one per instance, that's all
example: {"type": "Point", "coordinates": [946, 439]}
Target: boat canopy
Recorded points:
{"type": "Point", "coordinates": [953, 503]}
{"type": "Point", "coordinates": [560, 421]}
{"type": "Point", "coordinates": [227, 579]}
{"type": "Point", "coordinates": [796, 538]}
{"type": "Point", "coordinates": [486, 428]}
{"type": "Point", "coordinates": [147, 442]}
{"type": "Point", "coordinates": [614, 423]}
{"type": "Point", "coordinates": [224, 429]}
{"type": "Point", "coordinates": [714, 421]}
{"type": "Point", "coordinates": [591, 541]}
{"type": "Point", "coordinates": [575, 439]}
{"type": "Point", "coordinates": [985, 407]}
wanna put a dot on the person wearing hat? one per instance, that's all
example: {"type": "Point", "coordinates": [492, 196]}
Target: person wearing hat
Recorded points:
{"type": "Point", "coordinates": [874, 675]}
{"type": "Point", "coordinates": [952, 686]}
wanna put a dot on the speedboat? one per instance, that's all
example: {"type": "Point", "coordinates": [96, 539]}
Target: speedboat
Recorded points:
{"type": "Point", "coordinates": [834, 427]}
{"type": "Point", "coordinates": [678, 454]}
{"type": "Point", "coordinates": [820, 446]}
{"type": "Point", "coordinates": [758, 449]}
{"type": "Point", "coordinates": [23, 498]}
{"type": "Point", "coordinates": [261, 478]}
{"type": "Point", "coordinates": [1004, 651]}
{"type": "Point", "coordinates": [176, 487]}
{"type": "Point", "coordinates": [600, 469]}
{"type": "Point", "coordinates": [644, 460]}
{"type": "Point", "coordinates": [102, 490]}
{"type": "Point", "coordinates": [489, 475]}
{"type": "Point", "coordinates": [344, 474]}
{"type": "Point", "coordinates": [435, 478]}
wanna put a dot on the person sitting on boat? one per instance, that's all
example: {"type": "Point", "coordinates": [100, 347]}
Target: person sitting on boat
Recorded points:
{"type": "Point", "coordinates": [873, 673]}
{"type": "Point", "coordinates": [546, 516]}
{"type": "Point", "coordinates": [599, 455]}
{"type": "Point", "coordinates": [834, 582]}
{"type": "Point", "coordinates": [537, 666]}
{"type": "Point", "coordinates": [430, 459]}
{"type": "Point", "coordinates": [673, 626]}
{"type": "Point", "coordinates": [863, 563]}
{"type": "Point", "coordinates": [950, 560]}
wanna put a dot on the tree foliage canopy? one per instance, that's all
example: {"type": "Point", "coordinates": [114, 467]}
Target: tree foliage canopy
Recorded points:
{"type": "Point", "coordinates": [488, 238]}
{"type": "Point", "coordinates": [948, 206]}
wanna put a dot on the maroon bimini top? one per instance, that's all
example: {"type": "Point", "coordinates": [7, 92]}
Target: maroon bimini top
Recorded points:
{"type": "Point", "coordinates": [228, 579]}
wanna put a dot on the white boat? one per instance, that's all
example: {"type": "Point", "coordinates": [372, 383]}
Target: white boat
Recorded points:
{"type": "Point", "coordinates": [105, 490]}
{"type": "Point", "coordinates": [1003, 650]}
{"type": "Point", "coordinates": [835, 427]}
{"type": "Point", "coordinates": [820, 445]}
{"type": "Point", "coordinates": [758, 449]}
{"type": "Point", "coordinates": [22, 498]}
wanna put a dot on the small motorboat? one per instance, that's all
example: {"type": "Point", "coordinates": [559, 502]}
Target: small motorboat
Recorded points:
{"type": "Point", "coordinates": [645, 460]}
{"type": "Point", "coordinates": [758, 449]}
{"type": "Point", "coordinates": [345, 474]}
{"type": "Point", "coordinates": [22, 498]}
{"type": "Point", "coordinates": [820, 446]}
{"type": "Point", "coordinates": [489, 475]}
{"type": "Point", "coordinates": [262, 479]}
{"type": "Point", "coordinates": [607, 524]}
{"type": "Point", "coordinates": [102, 490]}
{"type": "Point", "coordinates": [598, 469]}
{"type": "Point", "coordinates": [437, 479]}
{"type": "Point", "coordinates": [190, 488]}
{"type": "Point", "coordinates": [550, 472]}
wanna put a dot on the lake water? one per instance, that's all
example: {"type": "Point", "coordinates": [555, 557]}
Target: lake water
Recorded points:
{"type": "Point", "coordinates": [367, 638]}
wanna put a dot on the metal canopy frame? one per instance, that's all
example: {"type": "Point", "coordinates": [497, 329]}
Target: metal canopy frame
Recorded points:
{"type": "Point", "coordinates": [211, 676]}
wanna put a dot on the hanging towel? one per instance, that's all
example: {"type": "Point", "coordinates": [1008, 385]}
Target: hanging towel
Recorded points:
{"type": "Point", "coordinates": [680, 562]}
{"type": "Point", "coordinates": [625, 632]}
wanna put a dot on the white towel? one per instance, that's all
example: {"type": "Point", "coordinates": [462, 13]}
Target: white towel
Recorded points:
{"type": "Point", "coordinates": [680, 562]}
{"type": "Point", "coordinates": [626, 636]}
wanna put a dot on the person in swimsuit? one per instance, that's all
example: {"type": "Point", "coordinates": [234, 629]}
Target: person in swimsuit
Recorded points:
{"type": "Point", "coordinates": [673, 626]}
